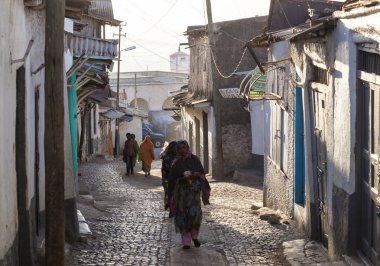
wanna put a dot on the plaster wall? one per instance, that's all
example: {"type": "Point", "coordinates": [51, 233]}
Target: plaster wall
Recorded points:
{"type": "Point", "coordinates": [133, 127]}
{"type": "Point", "coordinates": [188, 116]}
{"type": "Point", "coordinates": [279, 183]}
{"type": "Point", "coordinates": [344, 203]}
{"type": "Point", "coordinates": [95, 130]}
{"type": "Point", "coordinates": [338, 55]}
{"type": "Point", "coordinates": [348, 33]}
{"type": "Point", "coordinates": [154, 94]}
{"type": "Point", "coordinates": [343, 167]}
{"type": "Point", "coordinates": [18, 26]}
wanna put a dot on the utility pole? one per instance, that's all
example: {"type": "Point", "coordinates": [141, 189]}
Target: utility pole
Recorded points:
{"type": "Point", "coordinates": [117, 134]}
{"type": "Point", "coordinates": [54, 132]}
{"type": "Point", "coordinates": [218, 163]}
{"type": "Point", "coordinates": [135, 100]}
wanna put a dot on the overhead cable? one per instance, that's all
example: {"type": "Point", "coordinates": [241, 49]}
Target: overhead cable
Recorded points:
{"type": "Point", "coordinates": [233, 72]}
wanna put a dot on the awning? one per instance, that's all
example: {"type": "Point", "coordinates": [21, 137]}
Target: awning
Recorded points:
{"type": "Point", "coordinates": [169, 105]}
{"type": "Point", "coordinates": [74, 8]}
{"type": "Point", "coordinates": [253, 86]}
{"type": "Point", "coordinates": [310, 30]}
{"type": "Point", "coordinates": [115, 114]}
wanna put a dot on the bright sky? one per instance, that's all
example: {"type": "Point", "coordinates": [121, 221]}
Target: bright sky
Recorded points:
{"type": "Point", "coordinates": [156, 27]}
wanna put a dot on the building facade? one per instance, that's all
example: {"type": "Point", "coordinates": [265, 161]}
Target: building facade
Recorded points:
{"type": "Point", "coordinates": [198, 112]}
{"type": "Point", "coordinates": [335, 181]}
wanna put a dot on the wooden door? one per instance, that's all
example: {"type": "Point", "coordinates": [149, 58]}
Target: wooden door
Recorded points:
{"type": "Point", "coordinates": [37, 156]}
{"type": "Point", "coordinates": [205, 142]}
{"type": "Point", "coordinates": [197, 137]}
{"type": "Point", "coordinates": [318, 94]}
{"type": "Point", "coordinates": [369, 170]}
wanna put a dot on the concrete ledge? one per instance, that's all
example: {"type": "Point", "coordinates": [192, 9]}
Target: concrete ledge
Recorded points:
{"type": "Point", "coordinates": [248, 175]}
{"type": "Point", "coordinates": [306, 252]}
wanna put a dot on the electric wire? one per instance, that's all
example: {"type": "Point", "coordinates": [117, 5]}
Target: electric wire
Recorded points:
{"type": "Point", "coordinates": [153, 52]}
{"type": "Point", "coordinates": [283, 11]}
{"type": "Point", "coordinates": [233, 37]}
{"type": "Point", "coordinates": [233, 72]}
{"type": "Point", "coordinates": [162, 29]}
{"type": "Point", "coordinates": [161, 18]}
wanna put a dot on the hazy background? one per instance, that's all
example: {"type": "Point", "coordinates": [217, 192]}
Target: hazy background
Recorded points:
{"type": "Point", "coordinates": [156, 27]}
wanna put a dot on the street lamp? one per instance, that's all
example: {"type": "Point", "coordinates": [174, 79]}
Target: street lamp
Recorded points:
{"type": "Point", "coordinates": [129, 48]}
{"type": "Point", "coordinates": [117, 135]}
{"type": "Point", "coordinates": [118, 71]}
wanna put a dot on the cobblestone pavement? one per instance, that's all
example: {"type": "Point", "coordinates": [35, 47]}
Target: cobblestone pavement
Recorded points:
{"type": "Point", "coordinates": [130, 226]}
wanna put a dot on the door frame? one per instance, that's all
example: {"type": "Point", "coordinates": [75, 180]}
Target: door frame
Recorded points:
{"type": "Point", "coordinates": [320, 189]}
{"type": "Point", "coordinates": [373, 169]}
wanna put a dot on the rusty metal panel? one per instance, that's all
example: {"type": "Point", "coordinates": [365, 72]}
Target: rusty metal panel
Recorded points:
{"type": "Point", "coordinates": [102, 9]}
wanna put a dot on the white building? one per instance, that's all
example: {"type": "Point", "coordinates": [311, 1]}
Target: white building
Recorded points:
{"type": "Point", "coordinates": [22, 130]}
{"type": "Point", "coordinates": [180, 62]}
{"type": "Point", "coordinates": [146, 92]}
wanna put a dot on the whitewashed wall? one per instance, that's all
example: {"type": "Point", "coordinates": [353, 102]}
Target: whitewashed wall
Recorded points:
{"type": "Point", "coordinates": [154, 94]}
{"type": "Point", "coordinates": [188, 116]}
{"type": "Point", "coordinates": [18, 26]}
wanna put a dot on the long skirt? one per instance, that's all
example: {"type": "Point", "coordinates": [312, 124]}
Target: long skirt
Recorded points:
{"type": "Point", "coordinates": [146, 167]}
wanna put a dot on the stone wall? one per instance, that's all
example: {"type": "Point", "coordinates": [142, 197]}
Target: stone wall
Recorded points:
{"type": "Point", "coordinates": [237, 147]}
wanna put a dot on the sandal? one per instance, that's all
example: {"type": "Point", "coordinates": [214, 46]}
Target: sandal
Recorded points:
{"type": "Point", "coordinates": [197, 244]}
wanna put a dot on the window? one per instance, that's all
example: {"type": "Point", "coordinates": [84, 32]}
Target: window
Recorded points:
{"type": "Point", "coordinates": [369, 62]}
{"type": "Point", "coordinates": [320, 75]}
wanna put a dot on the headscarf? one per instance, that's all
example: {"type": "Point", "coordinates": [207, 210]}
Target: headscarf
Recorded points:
{"type": "Point", "coordinates": [170, 150]}
{"type": "Point", "coordinates": [168, 158]}
{"type": "Point", "coordinates": [146, 151]}
{"type": "Point", "coordinates": [189, 153]}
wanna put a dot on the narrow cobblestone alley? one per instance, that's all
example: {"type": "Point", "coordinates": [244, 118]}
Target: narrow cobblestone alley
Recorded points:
{"type": "Point", "coordinates": [130, 227]}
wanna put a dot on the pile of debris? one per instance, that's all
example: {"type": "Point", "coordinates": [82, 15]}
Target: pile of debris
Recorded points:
{"type": "Point", "coordinates": [269, 215]}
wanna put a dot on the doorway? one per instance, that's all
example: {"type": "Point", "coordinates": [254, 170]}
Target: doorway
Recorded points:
{"type": "Point", "coordinates": [205, 142]}
{"type": "Point", "coordinates": [318, 102]}
{"type": "Point", "coordinates": [36, 158]}
{"type": "Point", "coordinates": [368, 121]}
{"type": "Point", "coordinates": [197, 137]}
{"type": "Point", "coordinates": [24, 232]}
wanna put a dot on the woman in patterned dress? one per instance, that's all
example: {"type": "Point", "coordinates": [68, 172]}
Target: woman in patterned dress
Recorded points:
{"type": "Point", "coordinates": [187, 187]}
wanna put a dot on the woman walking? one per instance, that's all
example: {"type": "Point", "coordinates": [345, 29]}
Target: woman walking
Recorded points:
{"type": "Point", "coordinates": [146, 155]}
{"type": "Point", "coordinates": [168, 157]}
{"type": "Point", "coordinates": [187, 186]}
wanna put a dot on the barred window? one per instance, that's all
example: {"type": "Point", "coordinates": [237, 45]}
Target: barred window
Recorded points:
{"type": "Point", "coordinates": [369, 62]}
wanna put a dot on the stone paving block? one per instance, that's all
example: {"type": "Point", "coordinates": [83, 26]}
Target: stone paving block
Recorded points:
{"type": "Point", "coordinates": [133, 228]}
{"type": "Point", "coordinates": [196, 256]}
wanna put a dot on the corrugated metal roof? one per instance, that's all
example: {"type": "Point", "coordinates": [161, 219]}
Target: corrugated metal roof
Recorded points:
{"type": "Point", "coordinates": [350, 4]}
{"type": "Point", "coordinates": [102, 10]}
{"type": "Point", "coordinates": [74, 8]}
{"type": "Point", "coordinates": [302, 31]}
{"type": "Point", "coordinates": [114, 114]}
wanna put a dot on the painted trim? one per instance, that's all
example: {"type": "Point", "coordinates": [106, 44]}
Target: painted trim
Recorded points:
{"type": "Point", "coordinates": [299, 150]}
{"type": "Point", "coordinates": [73, 108]}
